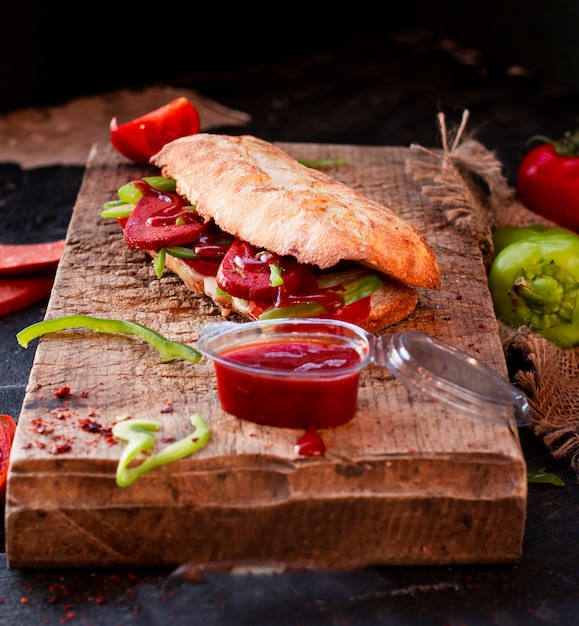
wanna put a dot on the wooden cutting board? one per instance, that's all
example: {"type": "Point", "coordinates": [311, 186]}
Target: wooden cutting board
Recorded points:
{"type": "Point", "coordinates": [407, 481]}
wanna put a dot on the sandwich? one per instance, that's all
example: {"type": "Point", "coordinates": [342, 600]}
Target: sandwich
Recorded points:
{"type": "Point", "coordinates": [241, 221]}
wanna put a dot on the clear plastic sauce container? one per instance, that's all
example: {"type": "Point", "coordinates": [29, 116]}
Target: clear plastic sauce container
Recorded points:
{"type": "Point", "coordinates": [304, 373]}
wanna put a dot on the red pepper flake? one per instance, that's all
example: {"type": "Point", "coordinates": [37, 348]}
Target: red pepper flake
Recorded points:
{"type": "Point", "coordinates": [62, 392]}
{"type": "Point", "coordinates": [23, 600]}
{"type": "Point", "coordinates": [84, 394]}
{"type": "Point", "coordinates": [60, 414]}
{"type": "Point", "coordinates": [90, 425]}
{"type": "Point", "coordinates": [67, 618]}
{"type": "Point", "coordinates": [40, 427]}
{"type": "Point", "coordinates": [482, 326]}
{"type": "Point", "coordinates": [59, 447]}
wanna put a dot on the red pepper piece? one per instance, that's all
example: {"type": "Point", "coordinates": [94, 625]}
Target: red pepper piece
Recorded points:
{"type": "Point", "coordinates": [141, 138]}
{"type": "Point", "coordinates": [18, 292]}
{"type": "Point", "coordinates": [30, 257]}
{"type": "Point", "coordinates": [7, 430]}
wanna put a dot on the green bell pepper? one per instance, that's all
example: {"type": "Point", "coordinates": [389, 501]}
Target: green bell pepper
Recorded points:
{"type": "Point", "coordinates": [534, 281]}
{"type": "Point", "coordinates": [505, 235]}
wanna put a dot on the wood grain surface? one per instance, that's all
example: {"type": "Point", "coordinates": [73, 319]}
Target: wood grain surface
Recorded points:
{"type": "Point", "coordinates": [407, 481]}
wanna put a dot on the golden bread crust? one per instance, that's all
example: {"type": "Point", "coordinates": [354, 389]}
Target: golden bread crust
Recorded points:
{"type": "Point", "coordinates": [259, 193]}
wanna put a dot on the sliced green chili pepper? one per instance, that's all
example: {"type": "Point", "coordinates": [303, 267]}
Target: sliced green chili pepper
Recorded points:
{"type": "Point", "coordinates": [534, 282]}
{"type": "Point", "coordinates": [275, 277]}
{"type": "Point", "coordinates": [360, 287]}
{"type": "Point", "coordinates": [131, 194]}
{"type": "Point", "coordinates": [117, 209]}
{"type": "Point", "coordinates": [139, 435]}
{"type": "Point", "coordinates": [182, 252]}
{"type": "Point", "coordinates": [159, 262]}
{"type": "Point", "coordinates": [327, 281]}
{"type": "Point", "coordinates": [303, 309]}
{"type": "Point", "coordinates": [167, 349]}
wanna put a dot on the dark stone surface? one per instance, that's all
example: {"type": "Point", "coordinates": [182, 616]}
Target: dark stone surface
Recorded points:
{"type": "Point", "coordinates": [374, 91]}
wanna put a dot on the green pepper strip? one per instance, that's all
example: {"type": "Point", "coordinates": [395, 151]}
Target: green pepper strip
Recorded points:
{"type": "Point", "coordinates": [181, 252]}
{"type": "Point", "coordinates": [534, 282]}
{"type": "Point", "coordinates": [303, 309]}
{"type": "Point", "coordinates": [159, 262]}
{"type": "Point", "coordinates": [117, 209]}
{"type": "Point", "coordinates": [276, 279]}
{"type": "Point", "coordinates": [140, 438]}
{"type": "Point", "coordinates": [168, 350]}
{"type": "Point", "coordinates": [129, 195]}
{"type": "Point", "coordinates": [361, 287]}
{"type": "Point", "coordinates": [541, 476]}
{"type": "Point", "coordinates": [323, 162]}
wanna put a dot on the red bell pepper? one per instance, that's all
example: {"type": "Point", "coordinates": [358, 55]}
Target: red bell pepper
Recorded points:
{"type": "Point", "coordinates": [548, 180]}
{"type": "Point", "coordinates": [7, 430]}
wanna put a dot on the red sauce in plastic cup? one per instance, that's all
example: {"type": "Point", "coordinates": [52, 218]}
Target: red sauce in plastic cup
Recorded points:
{"type": "Point", "coordinates": [288, 373]}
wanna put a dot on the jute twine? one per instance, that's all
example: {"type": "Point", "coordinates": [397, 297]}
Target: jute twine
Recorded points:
{"type": "Point", "coordinates": [465, 181]}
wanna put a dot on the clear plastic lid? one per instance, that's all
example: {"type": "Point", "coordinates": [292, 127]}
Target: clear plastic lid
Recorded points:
{"type": "Point", "coordinates": [445, 373]}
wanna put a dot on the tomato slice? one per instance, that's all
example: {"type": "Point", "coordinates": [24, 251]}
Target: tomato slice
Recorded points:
{"type": "Point", "coordinates": [161, 221]}
{"type": "Point", "coordinates": [144, 136]}
{"type": "Point", "coordinates": [248, 273]}
{"type": "Point", "coordinates": [7, 430]}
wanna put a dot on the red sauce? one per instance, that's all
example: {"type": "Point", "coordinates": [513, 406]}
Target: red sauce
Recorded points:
{"type": "Point", "coordinates": [310, 443]}
{"type": "Point", "coordinates": [275, 391]}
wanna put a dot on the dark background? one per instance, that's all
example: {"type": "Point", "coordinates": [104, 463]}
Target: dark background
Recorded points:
{"type": "Point", "coordinates": [52, 51]}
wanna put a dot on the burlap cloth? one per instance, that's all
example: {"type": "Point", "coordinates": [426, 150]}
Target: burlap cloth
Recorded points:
{"type": "Point", "coordinates": [465, 181]}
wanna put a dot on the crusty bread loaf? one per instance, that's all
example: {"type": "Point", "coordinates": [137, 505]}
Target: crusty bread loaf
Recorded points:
{"type": "Point", "coordinates": [259, 193]}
